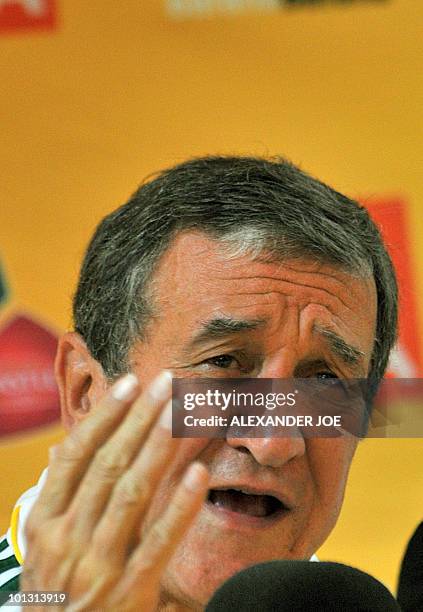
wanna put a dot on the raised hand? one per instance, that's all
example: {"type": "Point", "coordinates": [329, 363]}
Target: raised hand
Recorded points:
{"type": "Point", "coordinates": [84, 532]}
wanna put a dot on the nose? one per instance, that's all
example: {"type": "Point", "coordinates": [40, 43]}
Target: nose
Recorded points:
{"type": "Point", "coordinates": [274, 451]}
{"type": "Point", "coordinates": [271, 452]}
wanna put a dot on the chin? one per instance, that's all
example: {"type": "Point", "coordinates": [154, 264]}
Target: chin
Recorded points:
{"type": "Point", "coordinates": [194, 586]}
{"type": "Point", "coordinates": [192, 578]}
{"type": "Point", "coordinates": [221, 543]}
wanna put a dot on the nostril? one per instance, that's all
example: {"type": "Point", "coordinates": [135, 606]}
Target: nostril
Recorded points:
{"type": "Point", "coordinates": [243, 449]}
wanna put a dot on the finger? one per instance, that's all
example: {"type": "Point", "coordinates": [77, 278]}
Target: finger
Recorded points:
{"type": "Point", "coordinates": [149, 559]}
{"type": "Point", "coordinates": [72, 456]}
{"type": "Point", "coordinates": [116, 455]}
{"type": "Point", "coordinates": [132, 495]}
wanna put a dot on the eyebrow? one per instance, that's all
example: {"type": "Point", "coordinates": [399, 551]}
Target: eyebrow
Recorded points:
{"type": "Point", "coordinates": [222, 327]}
{"type": "Point", "coordinates": [349, 354]}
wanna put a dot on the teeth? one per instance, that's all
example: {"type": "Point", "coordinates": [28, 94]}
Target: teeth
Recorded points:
{"type": "Point", "coordinates": [238, 500]}
{"type": "Point", "coordinates": [247, 492]}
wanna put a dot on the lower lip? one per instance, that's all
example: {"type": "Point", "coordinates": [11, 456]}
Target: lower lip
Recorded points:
{"type": "Point", "coordinates": [237, 520]}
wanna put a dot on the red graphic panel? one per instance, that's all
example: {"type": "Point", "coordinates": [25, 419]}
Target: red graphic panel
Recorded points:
{"type": "Point", "coordinates": [390, 216]}
{"type": "Point", "coordinates": [27, 15]}
{"type": "Point", "coordinates": [28, 393]}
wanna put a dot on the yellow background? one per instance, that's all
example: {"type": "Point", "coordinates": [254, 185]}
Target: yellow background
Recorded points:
{"type": "Point", "coordinates": [120, 90]}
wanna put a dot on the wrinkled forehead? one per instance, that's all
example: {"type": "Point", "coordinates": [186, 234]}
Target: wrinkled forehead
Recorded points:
{"type": "Point", "coordinates": [196, 279]}
{"type": "Point", "coordinates": [195, 262]}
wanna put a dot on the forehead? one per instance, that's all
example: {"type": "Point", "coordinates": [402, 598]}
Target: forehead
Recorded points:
{"type": "Point", "coordinates": [196, 280]}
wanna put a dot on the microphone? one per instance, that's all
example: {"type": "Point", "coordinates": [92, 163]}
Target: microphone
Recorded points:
{"type": "Point", "coordinates": [410, 586]}
{"type": "Point", "coordinates": [301, 586]}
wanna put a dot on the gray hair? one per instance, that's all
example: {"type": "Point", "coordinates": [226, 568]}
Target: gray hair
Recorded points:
{"type": "Point", "coordinates": [260, 206]}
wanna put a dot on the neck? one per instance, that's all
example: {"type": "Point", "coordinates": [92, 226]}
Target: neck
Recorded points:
{"type": "Point", "coordinates": [169, 603]}
{"type": "Point", "coordinates": [174, 606]}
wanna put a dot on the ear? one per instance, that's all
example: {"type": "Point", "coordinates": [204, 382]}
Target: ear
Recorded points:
{"type": "Point", "coordinates": [80, 379]}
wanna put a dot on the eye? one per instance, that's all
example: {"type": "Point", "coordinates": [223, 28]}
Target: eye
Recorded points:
{"type": "Point", "coordinates": [222, 361]}
{"type": "Point", "coordinates": [327, 375]}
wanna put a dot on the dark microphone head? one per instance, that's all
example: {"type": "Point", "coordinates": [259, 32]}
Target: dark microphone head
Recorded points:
{"type": "Point", "coordinates": [410, 586]}
{"type": "Point", "coordinates": [299, 586]}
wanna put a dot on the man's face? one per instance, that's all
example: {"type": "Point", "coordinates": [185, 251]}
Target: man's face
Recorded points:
{"type": "Point", "coordinates": [282, 307]}
{"type": "Point", "coordinates": [215, 316]}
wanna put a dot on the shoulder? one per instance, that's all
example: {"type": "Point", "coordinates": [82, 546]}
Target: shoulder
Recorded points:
{"type": "Point", "coordinates": [13, 544]}
{"type": "Point", "coordinates": [10, 567]}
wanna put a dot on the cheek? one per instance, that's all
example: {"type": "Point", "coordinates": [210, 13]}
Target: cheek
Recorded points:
{"type": "Point", "coordinates": [188, 451]}
{"type": "Point", "coordinates": [329, 463]}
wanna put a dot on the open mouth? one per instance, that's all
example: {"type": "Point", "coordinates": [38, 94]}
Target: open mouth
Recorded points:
{"type": "Point", "coordinates": [261, 506]}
